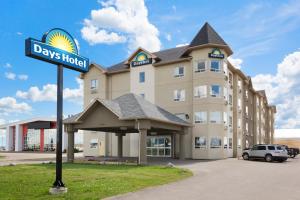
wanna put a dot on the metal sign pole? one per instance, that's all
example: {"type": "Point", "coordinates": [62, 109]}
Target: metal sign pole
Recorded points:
{"type": "Point", "coordinates": [59, 127]}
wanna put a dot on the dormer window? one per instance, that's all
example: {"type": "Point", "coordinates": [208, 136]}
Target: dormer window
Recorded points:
{"type": "Point", "coordinates": [215, 66]}
{"type": "Point", "coordinates": [94, 85]}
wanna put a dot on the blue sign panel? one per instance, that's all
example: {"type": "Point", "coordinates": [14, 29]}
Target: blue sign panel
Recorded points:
{"type": "Point", "coordinates": [57, 47]}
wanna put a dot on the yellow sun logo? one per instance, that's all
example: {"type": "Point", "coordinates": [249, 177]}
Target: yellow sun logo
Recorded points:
{"type": "Point", "coordinates": [62, 40]}
{"type": "Point", "coordinates": [141, 56]}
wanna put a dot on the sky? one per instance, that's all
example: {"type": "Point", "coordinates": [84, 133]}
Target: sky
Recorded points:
{"type": "Point", "coordinates": [264, 36]}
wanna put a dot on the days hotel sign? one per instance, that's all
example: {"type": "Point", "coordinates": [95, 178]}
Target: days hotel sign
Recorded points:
{"type": "Point", "coordinates": [57, 47]}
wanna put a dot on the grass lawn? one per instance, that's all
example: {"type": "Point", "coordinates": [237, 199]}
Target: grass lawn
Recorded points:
{"type": "Point", "coordinates": [1, 157]}
{"type": "Point", "coordinates": [84, 181]}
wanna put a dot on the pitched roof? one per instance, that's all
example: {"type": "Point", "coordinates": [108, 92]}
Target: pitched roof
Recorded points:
{"type": "Point", "coordinates": [207, 35]}
{"type": "Point", "coordinates": [131, 106]}
{"type": "Point", "coordinates": [164, 56]}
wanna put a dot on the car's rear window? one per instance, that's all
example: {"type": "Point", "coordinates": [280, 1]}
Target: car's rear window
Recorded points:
{"type": "Point", "coordinates": [271, 148]}
{"type": "Point", "coordinates": [261, 148]}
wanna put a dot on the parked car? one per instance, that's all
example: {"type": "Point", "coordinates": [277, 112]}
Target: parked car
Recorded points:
{"type": "Point", "coordinates": [292, 152]}
{"type": "Point", "coordinates": [268, 152]}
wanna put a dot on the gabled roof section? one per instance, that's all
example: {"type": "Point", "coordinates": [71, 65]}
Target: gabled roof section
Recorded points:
{"type": "Point", "coordinates": [131, 107]}
{"type": "Point", "coordinates": [137, 51]}
{"type": "Point", "coordinates": [207, 35]}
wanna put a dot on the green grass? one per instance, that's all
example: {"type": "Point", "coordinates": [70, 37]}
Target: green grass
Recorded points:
{"type": "Point", "coordinates": [84, 181]}
{"type": "Point", "coordinates": [1, 157]}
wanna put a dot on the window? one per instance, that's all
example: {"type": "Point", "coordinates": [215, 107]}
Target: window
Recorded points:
{"type": "Point", "coordinates": [215, 142]}
{"type": "Point", "coordinates": [230, 78]}
{"type": "Point", "coordinates": [230, 99]}
{"type": "Point", "coordinates": [261, 148]}
{"type": "Point", "coordinates": [200, 91]}
{"type": "Point", "coordinates": [142, 77]}
{"type": "Point", "coordinates": [179, 95]}
{"type": "Point", "coordinates": [239, 145]}
{"type": "Point", "coordinates": [246, 94]}
{"type": "Point", "coordinates": [93, 143]}
{"type": "Point", "coordinates": [225, 93]}
{"type": "Point", "coordinates": [200, 117]}
{"type": "Point", "coordinates": [239, 84]}
{"type": "Point", "coordinates": [246, 110]}
{"type": "Point", "coordinates": [247, 127]}
{"type": "Point", "coordinates": [200, 142]}
{"type": "Point", "coordinates": [225, 118]}
{"type": "Point", "coordinates": [239, 123]}
{"type": "Point", "coordinates": [230, 121]}
{"type": "Point", "coordinates": [215, 91]}
{"type": "Point", "coordinates": [215, 117]}
{"type": "Point", "coordinates": [215, 66]}
{"type": "Point", "coordinates": [239, 104]}
{"type": "Point", "coordinates": [182, 116]}
{"type": "Point", "coordinates": [271, 148]}
{"type": "Point", "coordinates": [179, 71]}
{"type": "Point", "coordinates": [225, 143]}
{"type": "Point", "coordinates": [94, 84]}
{"type": "Point", "coordinates": [230, 143]}
{"type": "Point", "coordinates": [200, 66]}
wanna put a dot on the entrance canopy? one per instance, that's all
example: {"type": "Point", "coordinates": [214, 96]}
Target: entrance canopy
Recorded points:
{"type": "Point", "coordinates": [127, 114]}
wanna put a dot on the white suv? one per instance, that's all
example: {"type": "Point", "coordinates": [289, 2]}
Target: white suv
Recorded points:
{"type": "Point", "coordinates": [268, 152]}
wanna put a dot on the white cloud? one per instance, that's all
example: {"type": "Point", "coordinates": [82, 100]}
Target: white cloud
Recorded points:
{"type": "Point", "coordinates": [174, 8]}
{"type": "Point", "coordinates": [283, 90]}
{"type": "Point", "coordinates": [236, 62]}
{"type": "Point", "coordinates": [10, 75]}
{"type": "Point", "coordinates": [10, 105]}
{"type": "Point", "coordinates": [48, 93]}
{"type": "Point", "coordinates": [19, 33]}
{"type": "Point", "coordinates": [13, 76]}
{"type": "Point", "coordinates": [168, 37]}
{"type": "Point", "coordinates": [120, 21]}
{"type": "Point", "coordinates": [23, 77]}
{"type": "Point", "coordinates": [181, 45]}
{"type": "Point", "coordinates": [7, 65]}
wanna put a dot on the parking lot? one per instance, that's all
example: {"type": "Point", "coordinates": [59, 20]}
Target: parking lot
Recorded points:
{"type": "Point", "coordinates": [231, 179]}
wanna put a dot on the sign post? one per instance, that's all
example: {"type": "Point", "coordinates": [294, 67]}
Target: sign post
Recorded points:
{"type": "Point", "coordinates": [58, 47]}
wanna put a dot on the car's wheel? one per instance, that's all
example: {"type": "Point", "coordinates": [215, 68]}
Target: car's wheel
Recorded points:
{"type": "Point", "coordinates": [293, 156]}
{"type": "Point", "coordinates": [246, 156]}
{"type": "Point", "coordinates": [269, 158]}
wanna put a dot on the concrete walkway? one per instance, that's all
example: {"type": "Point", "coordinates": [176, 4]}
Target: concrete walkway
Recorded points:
{"type": "Point", "coordinates": [229, 179]}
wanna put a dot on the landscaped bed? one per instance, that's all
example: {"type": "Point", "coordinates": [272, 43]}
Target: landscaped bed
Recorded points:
{"type": "Point", "coordinates": [84, 181]}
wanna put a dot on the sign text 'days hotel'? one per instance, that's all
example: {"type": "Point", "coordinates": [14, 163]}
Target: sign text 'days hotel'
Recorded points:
{"type": "Point", "coordinates": [57, 47]}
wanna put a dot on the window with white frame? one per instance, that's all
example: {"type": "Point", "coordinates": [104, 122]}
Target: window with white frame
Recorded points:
{"type": "Point", "coordinates": [200, 142]}
{"type": "Point", "coordinates": [239, 84]}
{"type": "Point", "coordinates": [179, 71]}
{"type": "Point", "coordinates": [247, 127]}
{"type": "Point", "coordinates": [239, 123]}
{"type": "Point", "coordinates": [200, 91]}
{"type": "Point", "coordinates": [246, 110]}
{"type": "Point", "coordinates": [179, 95]}
{"type": "Point", "coordinates": [230, 99]}
{"type": "Point", "coordinates": [230, 143]}
{"type": "Point", "coordinates": [225, 118]}
{"type": "Point", "coordinates": [239, 104]}
{"type": "Point", "coordinates": [230, 78]}
{"type": "Point", "coordinates": [239, 145]}
{"type": "Point", "coordinates": [94, 84]}
{"type": "Point", "coordinates": [142, 77]}
{"type": "Point", "coordinates": [201, 117]}
{"type": "Point", "coordinates": [225, 93]}
{"type": "Point", "coordinates": [225, 141]}
{"type": "Point", "coordinates": [246, 94]}
{"type": "Point", "coordinates": [215, 65]}
{"type": "Point", "coordinates": [215, 142]}
{"type": "Point", "coordinates": [215, 90]}
{"type": "Point", "coordinates": [215, 117]}
{"type": "Point", "coordinates": [230, 121]}
{"type": "Point", "coordinates": [200, 66]}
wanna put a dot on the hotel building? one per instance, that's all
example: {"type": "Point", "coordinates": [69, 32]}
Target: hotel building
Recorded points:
{"type": "Point", "coordinates": [207, 108]}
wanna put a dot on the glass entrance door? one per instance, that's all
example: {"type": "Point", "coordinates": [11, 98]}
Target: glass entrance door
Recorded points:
{"type": "Point", "coordinates": [159, 146]}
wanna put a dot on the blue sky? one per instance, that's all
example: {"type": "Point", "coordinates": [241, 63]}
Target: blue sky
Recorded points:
{"type": "Point", "coordinates": [264, 36]}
